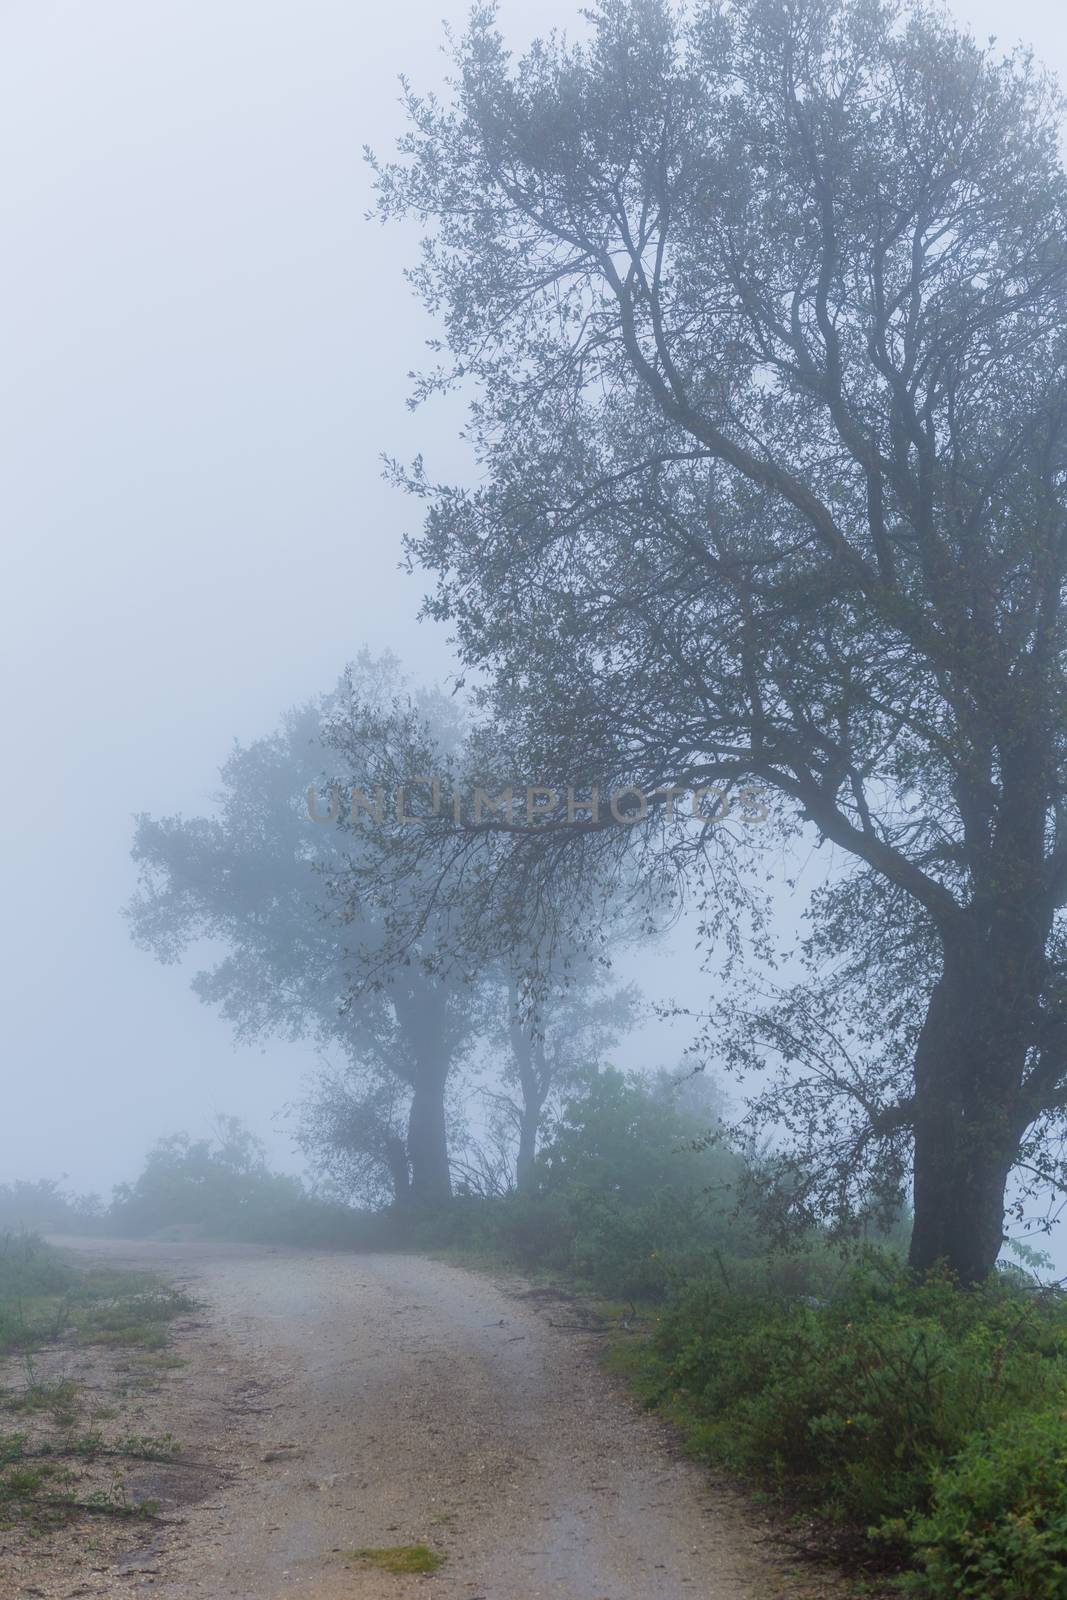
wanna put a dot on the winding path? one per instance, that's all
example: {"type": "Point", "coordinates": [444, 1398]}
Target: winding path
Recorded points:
{"type": "Point", "coordinates": [390, 1400]}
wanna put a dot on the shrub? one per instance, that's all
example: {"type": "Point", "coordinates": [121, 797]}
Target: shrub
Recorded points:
{"type": "Point", "coordinates": [623, 1196]}
{"type": "Point", "coordinates": [45, 1207]}
{"type": "Point", "coordinates": [853, 1405]}
{"type": "Point", "coordinates": [997, 1528]}
{"type": "Point", "coordinates": [223, 1189]}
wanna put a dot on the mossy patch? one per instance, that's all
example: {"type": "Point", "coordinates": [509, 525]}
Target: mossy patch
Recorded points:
{"type": "Point", "coordinates": [399, 1559]}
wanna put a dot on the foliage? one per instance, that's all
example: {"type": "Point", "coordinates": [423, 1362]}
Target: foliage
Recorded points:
{"type": "Point", "coordinates": [859, 1400]}
{"type": "Point", "coordinates": [626, 1194]}
{"type": "Point", "coordinates": [42, 1296]}
{"type": "Point", "coordinates": [35, 1283]}
{"type": "Point", "coordinates": [760, 307]}
{"type": "Point", "coordinates": [622, 1134]}
{"type": "Point", "coordinates": [997, 1528]}
{"type": "Point", "coordinates": [255, 877]}
{"type": "Point", "coordinates": [46, 1299]}
{"type": "Point", "coordinates": [223, 1188]}
{"type": "Point", "coordinates": [46, 1207]}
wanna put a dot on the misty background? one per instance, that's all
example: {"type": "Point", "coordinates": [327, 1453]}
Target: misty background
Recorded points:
{"type": "Point", "coordinates": [204, 354]}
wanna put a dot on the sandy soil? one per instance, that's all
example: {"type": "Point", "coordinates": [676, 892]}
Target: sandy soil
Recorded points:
{"type": "Point", "coordinates": [365, 1401]}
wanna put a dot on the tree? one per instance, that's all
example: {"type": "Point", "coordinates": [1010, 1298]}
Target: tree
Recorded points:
{"type": "Point", "coordinates": [553, 1034]}
{"type": "Point", "coordinates": [763, 307]}
{"type": "Point", "coordinates": [547, 1007]}
{"type": "Point", "coordinates": [355, 1134]}
{"type": "Point", "coordinates": [256, 877]}
{"type": "Point", "coordinates": [222, 1183]}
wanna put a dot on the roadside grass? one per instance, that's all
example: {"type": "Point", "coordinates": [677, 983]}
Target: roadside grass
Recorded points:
{"type": "Point", "coordinates": [400, 1560]}
{"type": "Point", "coordinates": [44, 1299]}
{"type": "Point", "coordinates": [39, 1496]}
{"type": "Point", "coordinates": [47, 1303]}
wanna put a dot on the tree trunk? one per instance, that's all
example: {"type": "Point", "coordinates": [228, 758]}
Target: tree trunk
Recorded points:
{"type": "Point", "coordinates": [431, 1180]}
{"type": "Point", "coordinates": [421, 1012]}
{"type": "Point", "coordinates": [396, 1156]}
{"type": "Point", "coordinates": [529, 1122]}
{"type": "Point", "coordinates": [969, 1070]}
{"type": "Point", "coordinates": [528, 1052]}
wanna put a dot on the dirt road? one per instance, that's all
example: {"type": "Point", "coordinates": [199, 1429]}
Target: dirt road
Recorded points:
{"type": "Point", "coordinates": [380, 1401]}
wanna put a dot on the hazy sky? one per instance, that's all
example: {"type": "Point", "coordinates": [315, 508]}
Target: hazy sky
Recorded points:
{"type": "Point", "coordinates": [204, 352]}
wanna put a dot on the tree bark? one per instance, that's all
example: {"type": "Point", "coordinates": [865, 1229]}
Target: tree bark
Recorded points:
{"type": "Point", "coordinates": [529, 1122]}
{"type": "Point", "coordinates": [396, 1156]}
{"type": "Point", "coordinates": [421, 1011]}
{"type": "Point", "coordinates": [431, 1179]}
{"type": "Point", "coordinates": [529, 1056]}
{"type": "Point", "coordinates": [969, 1070]}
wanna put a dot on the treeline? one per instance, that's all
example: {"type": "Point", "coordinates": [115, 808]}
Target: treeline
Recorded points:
{"type": "Point", "coordinates": [624, 1193]}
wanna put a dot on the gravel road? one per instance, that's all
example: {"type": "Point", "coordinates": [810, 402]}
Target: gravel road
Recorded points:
{"type": "Point", "coordinates": [391, 1400]}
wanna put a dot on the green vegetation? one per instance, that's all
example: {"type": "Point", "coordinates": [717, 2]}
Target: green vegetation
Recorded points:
{"type": "Point", "coordinates": [998, 1519]}
{"type": "Point", "coordinates": [399, 1559]}
{"type": "Point", "coordinates": [45, 1301]}
{"type": "Point", "coordinates": [624, 1197]}
{"type": "Point", "coordinates": [42, 1298]}
{"type": "Point", "coordinates": [222, 1188]}
{"type": "Point", "coordinates": [34, 1287]}
{"type": "Point", "coordinates": [45, 1207]}
{"type": "Point", "coordinates": [924, 1423]}
{"type": "Point", "coordinates": [42, 1495]}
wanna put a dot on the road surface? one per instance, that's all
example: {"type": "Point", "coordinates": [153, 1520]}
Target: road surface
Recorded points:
{"type": "Point", "coordinates": [389, 1400]}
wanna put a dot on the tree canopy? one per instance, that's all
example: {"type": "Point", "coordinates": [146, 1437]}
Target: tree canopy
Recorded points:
{"type": "Point", "coordinates": [761, 307]}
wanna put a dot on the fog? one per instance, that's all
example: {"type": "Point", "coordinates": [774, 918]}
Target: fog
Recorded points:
{"type": "Point", "coordinates": [206, 350]}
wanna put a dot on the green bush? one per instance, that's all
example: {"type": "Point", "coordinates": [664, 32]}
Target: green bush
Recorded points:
{"type": "Point", "coordinates": [855, 1404]}
{"type": "Point", "coordinates": [30, 1269]}
{"type": "Point", "coordinates": [223, 1189]}
{"type": "Point", "coordinates": [997, 1528]}
{"type": "Point", "coordinates": [33, 1283]}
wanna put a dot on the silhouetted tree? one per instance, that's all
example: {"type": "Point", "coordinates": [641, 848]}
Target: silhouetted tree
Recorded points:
{"type": "Point", "coordinates": [764, 308]}
{"type": "Point", "coordinates": [255, 877]}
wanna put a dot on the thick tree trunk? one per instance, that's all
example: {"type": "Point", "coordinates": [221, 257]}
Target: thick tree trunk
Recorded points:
{"type": "Point", "coordinates": [960, 1180]}
{"type": "Point", "coordinates": [421, 1012]}
{"type": "Point", "coordinates": [529, 1122]}
{"type": "Point", "coordinates": [431, 1180]}
{"type": "Point", "coordinates": [968, 1074]}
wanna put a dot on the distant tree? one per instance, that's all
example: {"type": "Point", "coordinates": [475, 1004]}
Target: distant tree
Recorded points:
{"type": "Point", "coordinates": [220, 1184]}
{"type": "Point", "coordinates": [763, 305]}
{"type": "Point", "coordinates": [45, 1206]}
{"type": "Point", "coordinates": [255, 878]}
{"type": "Point", "coordinates": [548, 1007]}
{"type": "Point", "coordinates": [633, 1136]}
{"type": "Point", "coordinates": [554, 1034]}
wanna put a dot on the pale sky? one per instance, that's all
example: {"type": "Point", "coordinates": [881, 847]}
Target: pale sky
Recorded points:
{"type": "Point", "coordinates": [204, 349]}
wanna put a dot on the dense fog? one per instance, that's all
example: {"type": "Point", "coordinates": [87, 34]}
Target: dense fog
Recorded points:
{"type": "Point", "coordinates": [206, 351]}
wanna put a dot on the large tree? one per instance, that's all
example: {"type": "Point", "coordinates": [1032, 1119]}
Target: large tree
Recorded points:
{"type": "Point", "coordinates": [254, 879]}
{"type": "Point", "coordinates": [763, 309]}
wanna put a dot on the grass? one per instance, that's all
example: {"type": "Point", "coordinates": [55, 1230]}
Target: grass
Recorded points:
{"type": "Point", "coordinates": [39, 1495]}
{"type": "Point", "coordinates": [59, 1400]}
{"type": "Point", "coordinates": [46, 1301]}
{"type": "Point", "coordinates": [398, 1559]}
